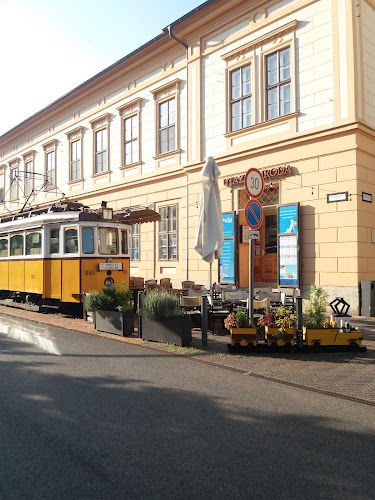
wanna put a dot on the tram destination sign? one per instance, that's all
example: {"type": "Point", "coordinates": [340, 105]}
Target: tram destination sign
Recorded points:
{"type": "Point", "coordinates": [110, 266]}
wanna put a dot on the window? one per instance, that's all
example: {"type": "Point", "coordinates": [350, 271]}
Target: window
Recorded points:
{"type": "Point", "coordinates": [167, 118]}
{"type": "Point", "coordinates": [107, 240]}
{"type": "Point", "coordinates": [34, 243]}
{"type": "Point", "coordinates": [134, 242]}
{"type": "Point", "coordinates": [100, 128]}
{"type": "Point", "coordinates": [75, 154]}
{"type": "Point", "coordinates": [16, 244]}
{"type": "Point", "coordinates": [50, 164]}
{"type": "Point", "coordinates": [130, 114]}
{"type": "Point", "coordinates": [278, 83]}
{"type": "Point", "coordinates": [124, 241]}
{"type": "Point", "coordinates": [87, 240]}
{"type": "Point", "coordinates": [75, 160]}
{"type": "Point", "coordinates": [167, 126]}
{"type": "Point", "coordinates": [168, 233]}
{"type": "Point", "coordinates": [29, 171]}
{"type": "Point", "coordinates": [71, 241]}
{"type": "Point", "coordinates": [13, 184]}
{"type": "Point", "coordinates": [131, 140]}
{"type": "Point", "coordinates": [54, 241]}
{"type": "Point", "coordinates": [2, 187]}
{"type": "Point", "coordinates": [4, 247]}
{"type": "Point", "coordinates": [240, 97]}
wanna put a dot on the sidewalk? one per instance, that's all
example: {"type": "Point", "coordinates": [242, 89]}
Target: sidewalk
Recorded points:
{"type": "Point", "coordinates": [349, 375]}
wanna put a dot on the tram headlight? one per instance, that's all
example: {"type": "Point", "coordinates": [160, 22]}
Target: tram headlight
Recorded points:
{"type": "Point", "coordinates": [109, 280]}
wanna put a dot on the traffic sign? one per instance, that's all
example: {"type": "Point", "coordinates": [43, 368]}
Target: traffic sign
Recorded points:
{"type": "Point", "coordinates": [254, 183]}
{"type": "Point", "coordinates": [254, 214]}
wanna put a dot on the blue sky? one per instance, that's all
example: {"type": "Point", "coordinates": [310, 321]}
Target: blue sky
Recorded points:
{"type": "Point", "coordinates": [49, 46]}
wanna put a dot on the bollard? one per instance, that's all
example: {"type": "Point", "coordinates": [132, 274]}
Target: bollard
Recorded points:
{"type": "Point", "coordinates": [139, 307]}
{"type": "Point", "coordinates": [299, 322]}
{"type": "Point", "coordinates": [204, 320]}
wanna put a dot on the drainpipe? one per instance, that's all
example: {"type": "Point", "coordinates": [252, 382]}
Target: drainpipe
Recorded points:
{"type": "Point", "coordinates": [168, 30]}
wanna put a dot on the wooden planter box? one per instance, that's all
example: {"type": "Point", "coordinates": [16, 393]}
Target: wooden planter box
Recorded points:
{"type": "Point", "coordinates": [172, 331]}
{"type": "Point", "coordinates": [331, 336]}
{"type": "Point", "coordinates": [114, 322]}
{"type": "Point", "coordinates": [288, 337]}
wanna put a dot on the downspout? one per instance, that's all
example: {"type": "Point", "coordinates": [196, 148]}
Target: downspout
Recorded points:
{"type": "Point", "coordinates": [168, 30]}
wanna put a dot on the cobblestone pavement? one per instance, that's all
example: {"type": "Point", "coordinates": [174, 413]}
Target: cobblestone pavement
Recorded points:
{"type": "Point", "coordinates": [349, 375]}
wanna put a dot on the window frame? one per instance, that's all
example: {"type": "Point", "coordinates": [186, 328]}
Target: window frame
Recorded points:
{"type": "Point", "coordinates": [278, 84]}
{"type": "Point", "coordinates": [98, 239]}
{"type": "Point", "coordinates": [2, 176]}
{"type": "Point", "coordinates": [168, 232]}
{"type": "Point", "coordinates": [50, 149]}
{"type": "Point", "coordinates": [100, 124]}
{"type": "Point", "coordinates": [66, 229]}
{"type": "Point", "coordinates": [93, 240]}
{"type": "Point", "coordinates": [28, 233]}
{"type": "Point", "coordinates": [126, 232]}
{"type": "Point", "coordinates": [12, 235]}
{"type": "Point", "coordinates": [161, 95]}
{"type": "Point", "coordinates": [14, 168]}
{"type": "Point", "coordinates": [128, 111]}
{"type": "Point", "coordinates": [73, 137]}
{"type": "Point", "coordinates": [251, 95]}
{"type": "Point", "coordinates": [28, 181]}
{"type": "Point", "coordinates": [5, 237]}
{"type": "Point", "coordinates": [50, 248]}
{"type": "Point", "coordinates": [134, 236]}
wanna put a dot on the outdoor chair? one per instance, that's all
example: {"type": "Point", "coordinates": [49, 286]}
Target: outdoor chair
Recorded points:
{"type": "Point", "coordinates": [234, 298]}
{"type": "Point", "coordinates": [192, 306]}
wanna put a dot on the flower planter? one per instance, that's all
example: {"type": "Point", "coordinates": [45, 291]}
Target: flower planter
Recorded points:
{"type": "Point", "coordinates": [114, 322]}
{"type": "Point", "coordinates": [243, 336]}
{"type": "Point", "coordinates": [172, 331]}
{"type": "Point", "coordinates": [317, 337]}
{"type": "Point", "coordinates": [288, 337]}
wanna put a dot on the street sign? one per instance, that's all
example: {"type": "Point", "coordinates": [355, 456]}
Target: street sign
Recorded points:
{"type": "Point", "coordinates": [254, 234]}
{"type": "Point", "coordinates": [254, 182]}
{"type": "Point", "coordinates": [254, 214]}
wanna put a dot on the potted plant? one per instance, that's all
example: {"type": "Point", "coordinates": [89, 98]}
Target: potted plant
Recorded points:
{"type": "Point", "coordinates": [164, 320]}
{"type": "Point", "coordinates": [112, 309]}
{"type": "Point", "coordinates": [318, 329]}
{"type": "Point", "coordinates": [279, 326]}
{"type": "Point", "coordinates": [241, 332]}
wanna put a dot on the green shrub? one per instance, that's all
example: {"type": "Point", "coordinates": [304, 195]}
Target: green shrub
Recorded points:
{"type": "Point", "coordinates": [109, 299]}
{"type": "Point", "coordinates": [161, 305]}
{"type": "Point", "coordinates": [316, 309]}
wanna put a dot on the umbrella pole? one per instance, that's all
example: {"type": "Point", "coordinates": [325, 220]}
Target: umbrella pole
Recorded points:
{"type": "Point", "coordinates": [210, 278]}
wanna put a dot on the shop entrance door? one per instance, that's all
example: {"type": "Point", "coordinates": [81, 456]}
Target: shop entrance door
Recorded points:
{"type": "Point", "coordinates": [265, 253]}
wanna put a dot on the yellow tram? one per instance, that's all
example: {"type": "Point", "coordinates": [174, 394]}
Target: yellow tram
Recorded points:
{"type": "Point", "coordinates": [56, 255]}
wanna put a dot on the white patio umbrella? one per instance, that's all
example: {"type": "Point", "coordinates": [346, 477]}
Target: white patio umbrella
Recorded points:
{"type": "Point", "coordinates": [209, 239]}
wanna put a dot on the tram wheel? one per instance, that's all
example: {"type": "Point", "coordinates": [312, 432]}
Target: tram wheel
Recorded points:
{"type": "Point", "coordinates": [288, 347]}
{"type": "Point", "coordinates": [353, 345]}
{"type": "Point", "coordinates": [316, 346]}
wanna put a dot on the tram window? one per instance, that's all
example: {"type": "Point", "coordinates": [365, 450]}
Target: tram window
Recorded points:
{"type": "Point", "coordinates": [33, 243]}
{"type": "Point", "coordinates": [107, 240]}
{"type": "Point", "coordinates": [124, 241]}
{"type": "Point", "coordinates": [54, 241]}
{"type": "Point", "coordinates": [16, 244]}
{"type": "Point", "coordinates": [4, 247]}
{"type": "Point", "coordinates": [71, 241]}
{"type": "Point", "coordinates": [87, 240]}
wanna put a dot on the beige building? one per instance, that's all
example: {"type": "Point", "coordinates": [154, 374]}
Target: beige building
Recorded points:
{"type": "Point", "coordinates": [287, 87]}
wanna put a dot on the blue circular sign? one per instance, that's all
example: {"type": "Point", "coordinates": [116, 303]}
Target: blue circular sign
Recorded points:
{"type": "Point", "coordinates": [254, 214]}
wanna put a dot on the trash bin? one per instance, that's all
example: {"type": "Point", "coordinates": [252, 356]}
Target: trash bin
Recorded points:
{"type": "Point", "coordinates": [367, 298]}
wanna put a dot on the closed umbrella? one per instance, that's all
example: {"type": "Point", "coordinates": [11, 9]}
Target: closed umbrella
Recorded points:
{"type": "Point", "coordinates": [209, 238]}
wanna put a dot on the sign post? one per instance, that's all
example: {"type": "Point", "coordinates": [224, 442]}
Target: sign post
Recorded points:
{"type": "Point", "coordinates": [254, 217]}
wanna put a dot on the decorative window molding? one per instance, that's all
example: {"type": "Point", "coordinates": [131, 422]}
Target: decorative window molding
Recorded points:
{"type": "Point", "coordinates": [248, 96]}
{"type": "Point", "coordinates": [50, 164]}
{"type": "Point", "coordinates": [167, 119]}
{"type": "Point", "coordinates": [75, 138]}
{"type": "Point", "coordinates": [130, 114]}
{"type": "Point", "coordinates": [2, 184]}
{"type": "Point", "coordinates": [29, 168]}
{"type": "Point", "coordinates": [100, 128]}
{"type": "Point", "coordinates": [262, 40]}
{"type": "Point", "coordinates": [14, 179]}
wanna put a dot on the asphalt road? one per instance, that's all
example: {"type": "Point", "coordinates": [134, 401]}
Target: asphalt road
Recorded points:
{"type": "Point", "coordinates": [82, 417]}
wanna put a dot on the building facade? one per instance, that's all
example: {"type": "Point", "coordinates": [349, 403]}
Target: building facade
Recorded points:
{"type": "Point", "coordinates": [287, 87]}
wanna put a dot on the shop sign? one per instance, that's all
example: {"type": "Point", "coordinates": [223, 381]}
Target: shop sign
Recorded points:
{"type": "Point", "coordinates": [288, 245]}
{"type": "Point", "coordinates": [268, 173]}
{"type": "Point", "coordinates": [331, 198]}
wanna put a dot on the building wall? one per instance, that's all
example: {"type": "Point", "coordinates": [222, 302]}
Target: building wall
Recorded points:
{"type": "Point", "coordinates": [368, 33]}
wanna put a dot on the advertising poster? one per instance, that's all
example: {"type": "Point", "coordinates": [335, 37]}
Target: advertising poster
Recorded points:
{"type": "Point", "coordinates": [288, 258]}
{"type": "Point", "coordinates": [227, 260]}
